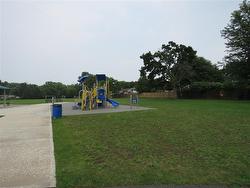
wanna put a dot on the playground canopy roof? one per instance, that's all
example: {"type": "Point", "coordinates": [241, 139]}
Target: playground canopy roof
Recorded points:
{"type": "Point", "coordinates": [82, 78]}
{"type": "Point", "coordinates": [100, 77]}
{"type": "Point", "coordinates": [3, 87]}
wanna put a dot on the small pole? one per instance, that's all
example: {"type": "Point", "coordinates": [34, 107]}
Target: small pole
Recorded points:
{"type": "Point", "coordinates": [4, 98]}
{"type": "Point", "coordinates": [130, 101]}
{"type": "Point", "coordinates": [53, 100]}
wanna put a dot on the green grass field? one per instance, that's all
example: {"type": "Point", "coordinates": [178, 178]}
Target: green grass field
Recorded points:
{"type": "Point", "coordinates": [180, 142]}
{"type": "Point", "coordinates": [24, 101]}
{"type": "Point", "coordinates": [30, 101]}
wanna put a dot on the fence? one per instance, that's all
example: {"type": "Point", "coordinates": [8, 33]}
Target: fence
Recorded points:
{"type": "Point", "coordinates": [171, 94]}
{"type": "Point", "coordinates": [236, 94]}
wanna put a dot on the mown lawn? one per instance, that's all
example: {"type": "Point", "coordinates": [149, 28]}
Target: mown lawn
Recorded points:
{"type": "Point", "coordinates": [30, 101]}
{"type": "Point", "coordinates": [181, 142]}
{"type": "Point", "coordinates": [24, 101]}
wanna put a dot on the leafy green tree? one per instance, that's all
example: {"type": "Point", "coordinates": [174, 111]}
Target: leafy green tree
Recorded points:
{"type": "Point", "coordinates": [175, 66]}
{"type": "Point", "coordinates": [170, 66]}
{"type": "Point", "coordinates": [114, 85]}
{"type": "Point", "coordinates": [56, 89]}
{"type": "Point", "coordinates": [237, 34]}
{"type": "Point", "coordinates": [204, 70]}
{"type": "Point", "coordinates": [72, 90]}
{"type": "Point", "coordinates": [24, 90]}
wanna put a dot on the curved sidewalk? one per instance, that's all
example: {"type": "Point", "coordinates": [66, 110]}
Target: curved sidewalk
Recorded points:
{"type": "Point", "coordinates": [26, 147]}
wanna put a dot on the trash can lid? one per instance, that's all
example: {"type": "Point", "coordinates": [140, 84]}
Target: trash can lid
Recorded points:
{"type": "Point", "coordinates": [57, 104]}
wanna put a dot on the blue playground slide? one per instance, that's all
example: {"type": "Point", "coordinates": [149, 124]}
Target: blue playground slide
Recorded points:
{"type": "Point", "coordinates": [114, 103]}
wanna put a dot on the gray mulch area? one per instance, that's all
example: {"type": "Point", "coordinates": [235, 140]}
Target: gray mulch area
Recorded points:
{"type": "Point", "coordinates": [67, 109]}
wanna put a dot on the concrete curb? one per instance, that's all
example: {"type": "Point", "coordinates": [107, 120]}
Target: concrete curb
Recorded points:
{"type": "Point", "coordinates": [52, 164]}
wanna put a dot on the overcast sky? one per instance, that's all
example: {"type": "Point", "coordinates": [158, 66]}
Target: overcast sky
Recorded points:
{"type": "Point", "coordinates": [57, 40]}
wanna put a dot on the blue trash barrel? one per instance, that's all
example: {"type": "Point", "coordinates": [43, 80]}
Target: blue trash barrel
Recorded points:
{"type": "Point", "coordinates": [56, 110]}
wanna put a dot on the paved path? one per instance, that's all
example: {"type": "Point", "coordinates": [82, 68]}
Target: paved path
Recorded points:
{"type": "Point", "coordinates": [26, 147]}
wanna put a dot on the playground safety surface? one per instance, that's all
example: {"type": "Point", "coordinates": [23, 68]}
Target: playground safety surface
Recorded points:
{"type": "Point", "coordinates": [67, 109]}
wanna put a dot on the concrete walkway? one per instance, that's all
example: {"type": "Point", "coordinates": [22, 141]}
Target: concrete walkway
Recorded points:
{"type": "Point", "coordinates": [26, 147]}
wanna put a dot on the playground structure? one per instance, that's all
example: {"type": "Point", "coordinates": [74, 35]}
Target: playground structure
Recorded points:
{"type": "Point", "coordinates": [96, 97]}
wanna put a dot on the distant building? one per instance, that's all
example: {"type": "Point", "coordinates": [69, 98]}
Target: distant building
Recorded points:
{"type": "Point", "coordinates": [128, 91]}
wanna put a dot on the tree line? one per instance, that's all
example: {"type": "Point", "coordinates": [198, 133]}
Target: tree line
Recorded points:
{"type": "Point", "coordinates": [176, 66]}
{"type": "Point", "coordinates": [49, 89]}
{"type": "Point", "coordinates": [57, 89]}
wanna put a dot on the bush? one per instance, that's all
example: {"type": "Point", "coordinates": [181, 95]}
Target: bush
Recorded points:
{"type": "Point", "coordinates": [215, 90]}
